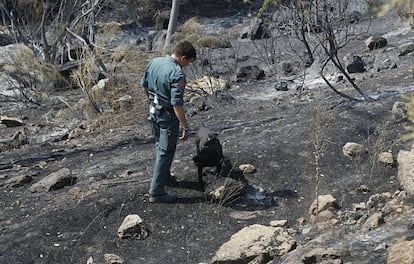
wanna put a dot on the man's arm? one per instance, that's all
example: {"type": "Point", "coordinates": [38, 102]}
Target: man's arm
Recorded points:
{"type": "Point", "coordinates": [147, 101]}
{"type": "Point", "coordinates": [180, 113]}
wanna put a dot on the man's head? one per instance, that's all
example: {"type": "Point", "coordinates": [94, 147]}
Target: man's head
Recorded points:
{"type": "Point", "coordinates": [184, 53]}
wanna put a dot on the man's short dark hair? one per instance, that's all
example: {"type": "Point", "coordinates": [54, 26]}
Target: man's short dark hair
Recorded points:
{"type": "Point", "coordinates": [185, 48]}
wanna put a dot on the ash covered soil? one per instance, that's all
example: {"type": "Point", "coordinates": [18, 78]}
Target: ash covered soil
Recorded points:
{"type": "Point", "coordinates": [257, 125]}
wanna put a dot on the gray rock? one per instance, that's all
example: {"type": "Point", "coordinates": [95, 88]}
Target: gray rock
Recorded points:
{"type": "Point", "coordinates": [250, 73]}
{"type": "Point", "coordinates": [405, 160]}
{"type": "Point", "coordinates": [325, 255]}
{"type": "Point", "coordinates": [323, 209]}
{"type": "Point", "coordinates": [22, 69]}
{"type": "Point", "coordinates": [18, 181]}
{"type": "Point", "coordinates": [406, 49]}
{"type": "Point", "coordinates": [133, 227]}
{"type": "Point", "coordinates": [386, 158]}
{"type": "Point", "coordinates": [257, 30]}
{"type": "Point", "coordinates": [282, 86]}
{"type": "Point", "coordinates": [253, 241]}
{"type": "Point", "coordinates": [399, 111]}
{"type": "Point", "coordinates": [6, 40]}
{"type": "Point", "coordinates": [247, 168]}
{"type": "Point", "coordinates": [156, 40]}
{"type": "Point", "coordinates": [356, 65]}
{"type": "Point", "coordinates": [17, 140]}
{"type": "Point", "coordinates": [56, 180]}
{"type": "Point", "coordinates": [352, 149]}
{"type": "Point", "coordinates": [113, 259]}
{"type": "Point", "coordinates": [402, 252]}
{"type": "Point", "coordinates": [374, 221]}
{"type": "Point", "coordinates": [11, 121]}
{"type": "Point", "coordinates": [376, 42]}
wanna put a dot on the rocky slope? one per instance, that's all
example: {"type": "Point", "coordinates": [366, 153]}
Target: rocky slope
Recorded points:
{"type": "Point", "coordinates": [68, 186]}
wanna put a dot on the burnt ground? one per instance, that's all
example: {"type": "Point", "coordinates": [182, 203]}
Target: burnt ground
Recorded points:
{"type": "Point", "coordinates": [113, 168]}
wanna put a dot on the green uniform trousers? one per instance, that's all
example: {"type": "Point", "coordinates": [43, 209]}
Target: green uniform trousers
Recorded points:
{"type": "Point", "coordinates": [165, 127]}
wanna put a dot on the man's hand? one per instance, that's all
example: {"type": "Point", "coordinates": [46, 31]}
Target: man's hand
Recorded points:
{"type": "Point", "coordinates": [179, 112]}
{"type": "Point", "coordinates": [185, 134]}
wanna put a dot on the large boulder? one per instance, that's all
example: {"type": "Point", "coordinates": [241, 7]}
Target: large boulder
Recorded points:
{"type": "Point", "coordinates": [21, 69]}
{"type": "Point", "coordinates": [254, 241]}
{"type": "Point", "coordinates": [405, 161]}
{"type": "Point", "coordinates": [401, 252]}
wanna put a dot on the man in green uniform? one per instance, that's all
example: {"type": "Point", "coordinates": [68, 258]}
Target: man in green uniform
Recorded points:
{"type": "Point", "coordinates": [164, 83]}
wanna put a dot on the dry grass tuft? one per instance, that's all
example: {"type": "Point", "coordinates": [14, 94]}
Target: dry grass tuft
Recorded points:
{"type": "Point", "coordinates": [31, 76]}
{"type": "Point", "coordinates": [192, 31]}
{"type": "Point", "coordinates": [212, 42]}
{"type": "Point", "coordinates": [120, 101]}
{"type": "Point", "coordinates": [191, 26]}
{"type": "Point", "coordinates": [109, 27]}
{"type": "Point", "coordinates": [124, 83]}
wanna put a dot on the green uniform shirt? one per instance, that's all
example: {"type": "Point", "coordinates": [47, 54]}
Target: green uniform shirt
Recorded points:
{"type": "Point", "coordinates": [165, 78]}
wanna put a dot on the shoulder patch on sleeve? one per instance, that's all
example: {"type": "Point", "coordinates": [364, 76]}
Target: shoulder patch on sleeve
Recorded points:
{"type": "Point", "coordinates": [181, 84]}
